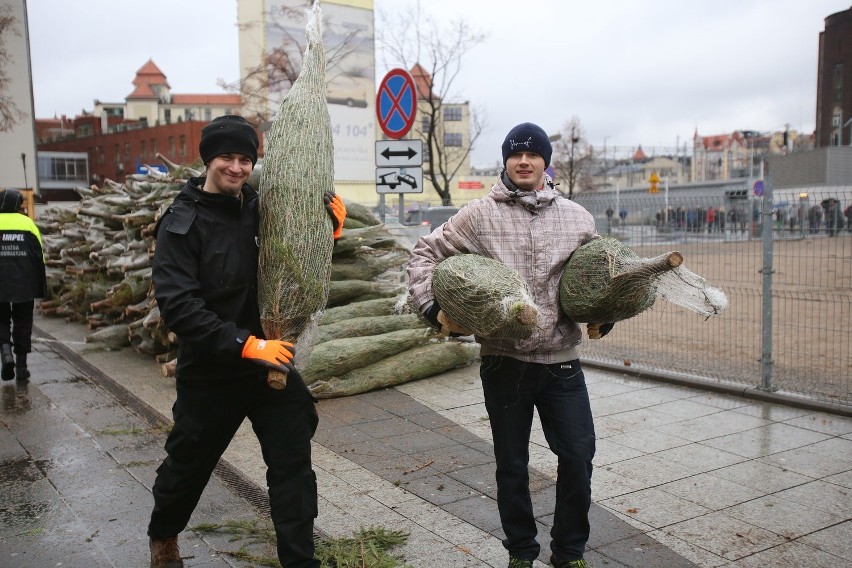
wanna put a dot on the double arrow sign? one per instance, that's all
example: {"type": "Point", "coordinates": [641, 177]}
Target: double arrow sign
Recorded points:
{"type": "Point", "coordinates": [406, 154]}
{"type": "Point", "coordinates": [398, 164]}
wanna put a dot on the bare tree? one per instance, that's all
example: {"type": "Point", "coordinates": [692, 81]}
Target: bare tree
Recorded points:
{"type": "Point", "coordinates": [263, 86]}
{"type": "Point", "coordinates": [10, 114]}
{"type": "Point", "coordinates": [413, 39]}
{"type": "Point", "coordinates": [572, 157]}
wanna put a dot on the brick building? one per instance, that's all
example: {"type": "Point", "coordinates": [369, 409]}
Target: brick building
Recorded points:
{"type": "Point", "coordinates": [834, 82]}
{"type": "Point", "coordinates": [116, 139]}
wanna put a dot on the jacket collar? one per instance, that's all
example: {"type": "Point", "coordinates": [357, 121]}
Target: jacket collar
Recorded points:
{"type": "Point", "coordinates": [504, 191]}
{"type": "Point", "coordinates": [193, 191]}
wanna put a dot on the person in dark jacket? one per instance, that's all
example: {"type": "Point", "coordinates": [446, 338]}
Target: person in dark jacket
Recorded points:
{"type": "Point", "coordinates": [22, 280]}
{"type": "Point", "coordinates": [528, 226]}
{"type": "Point", "coordinates": [205, 282]}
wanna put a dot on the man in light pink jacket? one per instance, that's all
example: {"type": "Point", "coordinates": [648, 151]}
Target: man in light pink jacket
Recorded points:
{"type": "Point", "coordinates": [529, 226]}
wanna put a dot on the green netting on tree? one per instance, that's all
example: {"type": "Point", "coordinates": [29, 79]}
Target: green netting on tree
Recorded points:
{"type": "Point", "coordinates": [295, 232]}
{"type": "Point", "coordinates": [605, 281]}
{"type": "Point", "coordinates": [485, 296]}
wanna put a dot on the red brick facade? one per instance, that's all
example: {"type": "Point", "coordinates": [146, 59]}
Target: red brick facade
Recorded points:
{"type": "Point", "coordinates": [834, 81]}
{"type": "Point", "coordinates": [113, 155]}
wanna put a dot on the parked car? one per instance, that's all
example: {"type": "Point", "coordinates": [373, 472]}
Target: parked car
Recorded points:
{"type": "Point", "coordinates": [432, 216]}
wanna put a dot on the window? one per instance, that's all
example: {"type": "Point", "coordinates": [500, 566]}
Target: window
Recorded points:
{"type": "Point", "coordinates": [425, 125]}
{"type": "Point", "coordinates": [171, 146]}
{"type": "Point", "coordinates": [453, 139]}
{"type": "Point", "coordinates": [182, 146]}
{"type": "Point", "coordinates": [167, 116]}
{"type": "Point", "coordinates": [838, 76]}
{"type": "Point", "coordinates": [127, 150]}
{"type": "Point", "coordinates": [188, 114]}
{"type": "Point", "coordinates": [60, 168]}
{"type": "Point", "coordinates": [452, 114]}
{"type": "Point", "coordinates": [838, 82]}
{"type": "Point", "coordinates": [117, 153]}
{"type": "Point", "coordinates": [153, 147]}
{"type": "Point", "coordinates": [142, 150]}
{"type": "Point", "coordinates": [208, 114]}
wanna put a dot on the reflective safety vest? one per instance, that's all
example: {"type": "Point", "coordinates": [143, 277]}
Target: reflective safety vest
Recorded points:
{"type": "Point", "coordinates": [22, 272]}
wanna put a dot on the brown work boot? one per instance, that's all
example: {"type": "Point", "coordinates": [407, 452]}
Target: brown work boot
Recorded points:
{"type": "Point", "coordinates": [165, 553]}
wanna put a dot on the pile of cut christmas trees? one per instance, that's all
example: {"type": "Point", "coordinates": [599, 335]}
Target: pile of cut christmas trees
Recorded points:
{"type": "Point", "coordinates": [99, 257]}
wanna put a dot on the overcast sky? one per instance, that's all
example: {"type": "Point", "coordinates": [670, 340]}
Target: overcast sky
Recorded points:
{"type": "Point", "coordinates": [647, 73]}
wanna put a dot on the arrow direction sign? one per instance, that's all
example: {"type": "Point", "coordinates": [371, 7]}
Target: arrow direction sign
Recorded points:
{"type": "Point", "coordinates": [399, 152]}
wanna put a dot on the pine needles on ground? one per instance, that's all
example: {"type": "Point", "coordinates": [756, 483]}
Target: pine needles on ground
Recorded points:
{"type": "Point", "coordinates": [367, 548]}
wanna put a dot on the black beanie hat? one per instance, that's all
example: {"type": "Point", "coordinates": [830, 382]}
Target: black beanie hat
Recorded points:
{"type": "Point", "coordinates": [11, 201]}
{"type": "Point", "coordinates": [228, 134]}
{"type": "Point", "coordinates": [527, 137]}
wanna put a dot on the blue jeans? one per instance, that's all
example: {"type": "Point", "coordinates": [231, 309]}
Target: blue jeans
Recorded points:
{"type": "Point", "coordinates": [512, 389]}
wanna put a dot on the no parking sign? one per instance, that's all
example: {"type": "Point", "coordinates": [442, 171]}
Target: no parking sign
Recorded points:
{"type": "Point", "coordinates": [396, 103]}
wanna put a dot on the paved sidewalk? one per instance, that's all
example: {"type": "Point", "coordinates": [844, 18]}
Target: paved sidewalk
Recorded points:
{"type": "Point", "coordinates": [683, 477]}
{"type": "Point", "coordinates": [76, 469]}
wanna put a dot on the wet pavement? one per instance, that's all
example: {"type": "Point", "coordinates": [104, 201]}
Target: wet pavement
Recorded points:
{"type": "Point", "coordinates": [684, 477]}
{"type": "Point", "coordinates": [76, 468]}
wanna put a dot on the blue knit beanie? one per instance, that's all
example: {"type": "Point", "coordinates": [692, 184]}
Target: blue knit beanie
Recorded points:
{"type": "Point", "coordinates": [527, 137]}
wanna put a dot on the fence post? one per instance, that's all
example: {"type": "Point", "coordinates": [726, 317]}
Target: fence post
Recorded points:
{"type": "Point", "coordinates": [766, 319]}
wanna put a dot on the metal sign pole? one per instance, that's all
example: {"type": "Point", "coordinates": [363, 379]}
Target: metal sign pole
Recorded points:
{"type": "Point", "coordinates": [766, 320]}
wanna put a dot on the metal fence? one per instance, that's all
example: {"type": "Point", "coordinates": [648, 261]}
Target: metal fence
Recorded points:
{"type": "Point", "coordinates": [785, 329]}
{"type": "Point", "coordinates": [787, 325]}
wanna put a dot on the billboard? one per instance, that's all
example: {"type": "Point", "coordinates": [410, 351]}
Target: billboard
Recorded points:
{"type": "Point", "coordinates": [17, 116]}
{"type": "Point", "coordinates": [348, 38]}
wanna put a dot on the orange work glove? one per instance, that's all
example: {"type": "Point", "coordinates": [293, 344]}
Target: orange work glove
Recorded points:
{"type": "Point", "coordinates": [336, 210]}
{"type": "Point", "coordinates": [269, 353]}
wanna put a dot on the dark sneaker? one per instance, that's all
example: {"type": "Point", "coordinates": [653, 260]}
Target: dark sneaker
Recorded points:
{"type": "Point", "coordinates": [22, 374]}
{"type": "Point", "coordinates": [8, 361]}
{"type": "Point", "coordinates": [558, 563]}
{"type": "Point", "coordinates": [519, 563]}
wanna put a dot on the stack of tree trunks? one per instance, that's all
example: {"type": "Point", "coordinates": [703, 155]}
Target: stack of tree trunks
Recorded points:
{"type": "Point", "coordinates": [99, 255]}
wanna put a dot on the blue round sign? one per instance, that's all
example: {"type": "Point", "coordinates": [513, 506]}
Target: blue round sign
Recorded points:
{"type": "Point", "coordinates": [758, 187]}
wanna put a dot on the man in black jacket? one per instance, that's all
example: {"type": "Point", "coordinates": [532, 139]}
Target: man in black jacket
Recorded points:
{"type": "Point", "coordinates": [22, 280]}
{"type": "Point", "coordinates": [205, 279]}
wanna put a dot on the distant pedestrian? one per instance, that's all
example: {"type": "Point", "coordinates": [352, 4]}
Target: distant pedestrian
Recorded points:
{"type": "Point", "coordinates": [814, 218]}
{"type": "Point", "coordinates": [833, 216]}
{"type": "Point", "coordinates": [22, 280]}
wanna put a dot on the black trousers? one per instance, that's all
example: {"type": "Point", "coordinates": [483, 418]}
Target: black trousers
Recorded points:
{"type": "Point", "coordinates": [206, 417]}
{"type": "Point", "coordinates": [513, 390]}
{"type": "Point", "coordinates": [16, 325]}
